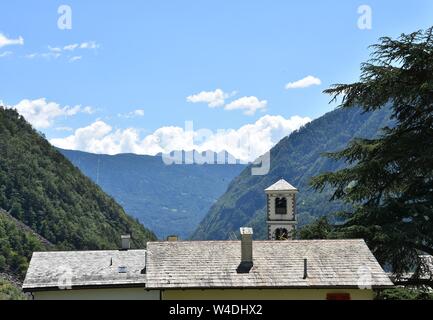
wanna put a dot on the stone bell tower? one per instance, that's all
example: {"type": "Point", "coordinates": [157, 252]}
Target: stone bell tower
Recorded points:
{"type": "Point", "coordinates": [281, 210]}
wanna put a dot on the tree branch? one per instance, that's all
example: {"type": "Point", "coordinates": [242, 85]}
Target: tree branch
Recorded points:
{"type": "Point", "coordinates": [415, 282]}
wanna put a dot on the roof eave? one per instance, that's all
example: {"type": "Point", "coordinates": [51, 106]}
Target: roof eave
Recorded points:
{"type": "Point", "coordinates": [86, 287]}
{"type": "Point", "coordinates": [267, 191]}
{"type": "Point", "coordinates": [352, 287]}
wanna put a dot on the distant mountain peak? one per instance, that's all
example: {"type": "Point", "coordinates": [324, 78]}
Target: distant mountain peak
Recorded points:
{"type": "Point", "coordinates": [170, 199]}
{"type": "Point", "coordinates": [200, 157]}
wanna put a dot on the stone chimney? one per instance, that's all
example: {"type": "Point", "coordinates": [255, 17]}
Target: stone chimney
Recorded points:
{"type": "Point", "coordinates": [126, 242]}
{"type": "Point", "coordinates": [246, 251]}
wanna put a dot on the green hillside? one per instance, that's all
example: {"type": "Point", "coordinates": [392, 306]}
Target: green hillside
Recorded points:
{"type": "Point", "coordinates": [43, 191]}
{"type": "Point", "coordinates": [10, 290]}
{"type": "Point", "coordinates": [17, 243]}
{"type": "Point", "coordinates": [297, 159]}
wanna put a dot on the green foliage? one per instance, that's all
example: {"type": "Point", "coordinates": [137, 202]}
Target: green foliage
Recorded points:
{"type": "Point", "coordinates": [296, 158]}
{"type": "Point", "coordinates": [169, 199]}
{"type": "Point", "coordinates": [16, 247]}
{"type": "Point", "coordinates": [389, 179]}
{"type": "Point", "coordinates": [404, 294]}
{"type": "Point", "coordinates": [8, 291]}
{"type": "Point", "coordinates": [42, 189]}
{"type": "Point", "coordinates": [318, 230]}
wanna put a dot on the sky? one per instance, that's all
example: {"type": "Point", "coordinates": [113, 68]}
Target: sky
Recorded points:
{"type": "Point", "coordinates": [154, 76]}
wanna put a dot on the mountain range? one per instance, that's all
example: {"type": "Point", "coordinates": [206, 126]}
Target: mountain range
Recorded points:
{"type": "Point", "coordinates": [169, 199]}
{"type": "Point", "coordinates": [297, 158]}
{"type": "Point", "coordinates": [46, 202]}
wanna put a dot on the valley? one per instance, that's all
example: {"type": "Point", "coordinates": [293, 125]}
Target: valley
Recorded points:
{"type": "Point", "coordinates": [169, 199]}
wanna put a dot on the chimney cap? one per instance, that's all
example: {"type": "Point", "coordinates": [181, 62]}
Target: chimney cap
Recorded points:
{"type": "Point", "coordinates": [172, 238]}
{"type": "Point", "coordinates": [247, 231]}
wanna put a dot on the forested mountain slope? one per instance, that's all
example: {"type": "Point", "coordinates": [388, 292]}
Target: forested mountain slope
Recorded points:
{"type": "Point", "coordinates": [42, 190]}
{"type": "Point", "coordinates": [297, 159]}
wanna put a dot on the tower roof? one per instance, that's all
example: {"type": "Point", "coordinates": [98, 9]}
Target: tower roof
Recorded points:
{"type": "Point", "coordinates": [281, 185]}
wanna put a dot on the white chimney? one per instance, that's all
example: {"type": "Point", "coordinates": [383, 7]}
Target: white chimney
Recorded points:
{"type": "Point", "coordinates": [126, 242]}
{"type": "Point", "coordinates": [246, 250]}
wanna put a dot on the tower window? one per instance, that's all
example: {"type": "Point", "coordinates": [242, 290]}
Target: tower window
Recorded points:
{"type": "Point", "coordinates": [281, 206]}
{"type": "Point", "coordinates": [281, 234]}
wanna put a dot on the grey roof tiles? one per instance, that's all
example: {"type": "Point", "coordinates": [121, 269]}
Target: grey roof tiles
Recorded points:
{"type": "Point", "coordinates": [85, 268]}
{"type": "Point", "coordinates": [213, 264]}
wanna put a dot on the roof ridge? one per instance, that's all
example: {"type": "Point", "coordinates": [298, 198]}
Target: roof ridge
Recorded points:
{"type": "Point", "coordinates": [281, 185]}
{"type": "Point", "coordinates": [263, 241]}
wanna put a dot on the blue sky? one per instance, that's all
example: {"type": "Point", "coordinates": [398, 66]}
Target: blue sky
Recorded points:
{"type": "Point", "coordinates": [134, 64]}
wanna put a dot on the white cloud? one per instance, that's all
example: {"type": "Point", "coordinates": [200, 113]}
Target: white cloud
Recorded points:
{"type": "Point", "coordinates": [212, 98]}
{"type": "Point", "coordinates": [75, 58]}
{"type": "Point", "coordinates": [71, 47]}
{"type": "Point", "coordinates": [46, 55]}
{"type": "Point", "coordinates": [249, 104]}
{"type": "Point", "coordinates": [5, 54]}
{"type": "Point", "coordinates": [139, 113]}
{"type": "Point", "coordinates": [88, 110]}
{"type": "Point", "coordinates": [132, 114]}
{"type": "Point", "coordinates": [31, 55]}
{"type": "Point", "coordinates": [64, 129]}
{"type": "Point", "coordinates": [50, 55]}
{"type": "Point", "coordinates": [56, 52]}
{"type": "Point", "coordinates": [91, 45]}
{"type": "Point", "coordinates": [218, 98]}
{"type": "Point", "coordinates": [5, 41]}
{"type": "Point", "coordinates": [304, 83]}
{"type": "Point", "coordinates": [41, 114]}
{"type": "Point", "coordinates": [246, 143]}
{"type": "Point", "coordinates": [100, 138]}
{"type": "Point", "coordinates": [55, 49]}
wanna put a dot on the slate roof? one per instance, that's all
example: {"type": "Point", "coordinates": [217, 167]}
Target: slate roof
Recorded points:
{"type": "Point", "coordinates": [211, 264]}
{"type": "Point", "coordinates": [51, 270]}
{"type": "Point", "coordinates": [277, 264]}
{"type": "Point", "coordinates": [281, 185]}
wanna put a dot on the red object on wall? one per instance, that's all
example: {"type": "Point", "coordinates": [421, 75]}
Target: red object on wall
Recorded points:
{"type": "Point", "coordinates": [338, 296]}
